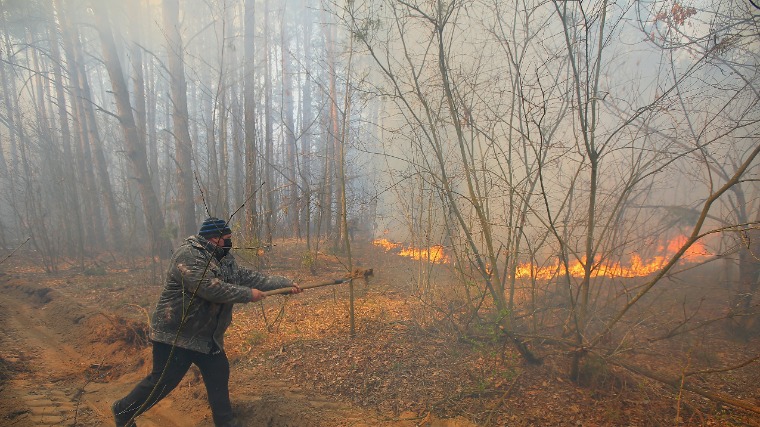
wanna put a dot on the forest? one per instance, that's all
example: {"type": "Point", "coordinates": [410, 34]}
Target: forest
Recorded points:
{"type": "Point", "coordinates": [561, 195]}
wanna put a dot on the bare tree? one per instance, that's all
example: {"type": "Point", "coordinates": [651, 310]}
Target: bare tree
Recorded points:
{"type": "Point", "coordinates": [135, 151]}
{"type": "Point", "coordinates": [288, 123]}
{"type": "Point", "coordinates": [730, 61]}
{"type": "Point", "coordinates": [83, 132]}
{"type": "Point", "coordinates": [181, 129]}
{"type": "Point", "coordinates": [251, 147]}
{"type": "Point", "coordinates": [539, 155]}
{"type": "Point", "coordinates": [306, 130]}
{"type": "Point", "coordinates": [71, 192]}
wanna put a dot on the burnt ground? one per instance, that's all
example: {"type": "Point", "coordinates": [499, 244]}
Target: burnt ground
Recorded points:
{"type": "Point", "coordinates": [74, 341]}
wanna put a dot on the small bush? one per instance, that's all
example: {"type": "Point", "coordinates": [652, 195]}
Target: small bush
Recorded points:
{"type": "Point", "coordinates": [309, 262]}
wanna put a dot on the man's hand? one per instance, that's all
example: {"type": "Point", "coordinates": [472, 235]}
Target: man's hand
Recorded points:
{"type": "Point", "coordinates": [296, 289]}
{"type": "Point", "coordinates": [257, 295]}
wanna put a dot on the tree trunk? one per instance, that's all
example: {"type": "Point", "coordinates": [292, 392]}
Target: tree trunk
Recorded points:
{"type": "Point", "coordinates": [223, 199]}
{"type": "Point", "coordinates": [73, 212]}
{"type": "Point", "coordinates": [90, 142]}
{"type": "Point", "coordinates": [251, 149]}
{"type": "Point", "coordinates": [291, 194]}
{"type": "Point", "coordinates": [183, 143]}
{"type": "Point", "coordinates": [6, 178]}
{"type": "Point", "coordinates": [237, 157]}
{"type": "Point", "coordinates": [332, 139]}
{"type": "Point", "coordinates": [13, 122]}
{"type": "Point", "coordinates": [223, 114]}
{"type": "Point", "coordinates": [151, 111]}
{"type": "Point", "coordinates": [44, 183]}
{"type": "Point", "coordinates": [213, 184]}
{"type": "Point", "coordinates": [269, 210]}
{"type": "Point", "coordinates": [138, 84]}
{"type": "Point", "coordinates": [306, 125]}
{"type": "Point", "coordinates": [135, 152]}
{"type": "Point", "coordinates": [82, 147]}
{"type": "Point", "coordinates": [749, 268]}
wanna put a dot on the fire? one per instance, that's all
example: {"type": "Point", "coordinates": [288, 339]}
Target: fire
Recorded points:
{"type": "Point", "coordinates": [696, 252]}
{"type": "Point", "coordinates": [636, 266]}
{"type": "Point", "coordinates": [386, 244]}
{"type": "Point", "coordinates": [434, 254]}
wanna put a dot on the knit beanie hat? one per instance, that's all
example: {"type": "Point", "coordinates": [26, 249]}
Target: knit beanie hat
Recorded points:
{"type": "Point", "coordinates": [214, 227]}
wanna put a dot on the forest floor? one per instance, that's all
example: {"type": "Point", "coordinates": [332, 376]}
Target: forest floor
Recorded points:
{"type": "Point", "coordinates": [72, 342]}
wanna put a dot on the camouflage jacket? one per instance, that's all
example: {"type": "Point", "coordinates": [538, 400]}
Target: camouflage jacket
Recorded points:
{"type": "Point", "coordinates": [195, 307]}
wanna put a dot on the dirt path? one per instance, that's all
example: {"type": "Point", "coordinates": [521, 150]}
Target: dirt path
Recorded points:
{"type": "Point", "coordinates": [54, 362]}
{"type": "Point", "coordinates": [63, 363]}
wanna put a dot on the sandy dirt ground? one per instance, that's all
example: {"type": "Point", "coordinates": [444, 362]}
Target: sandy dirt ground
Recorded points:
{"type": "Point", "coordinates": [64, 359]}
{"type": "Point", "coordinates": [72, 342]}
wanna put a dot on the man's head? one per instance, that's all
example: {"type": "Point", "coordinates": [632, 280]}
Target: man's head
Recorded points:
{"type": "Point", "coordinates": [216, 231]}
{"type": "Point", "coordinates": [214, 227]}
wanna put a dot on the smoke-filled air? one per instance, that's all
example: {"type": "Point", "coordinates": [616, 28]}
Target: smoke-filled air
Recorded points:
{"type": "Point", "coordinates": [380, 212]}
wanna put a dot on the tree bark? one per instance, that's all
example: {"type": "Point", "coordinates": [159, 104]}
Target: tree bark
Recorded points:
{"type": "Point", "coordinates": [90, 139]}
{"type": "Point", "coordinates": [82, 148]}
{"type": "Point", "coordinates": [135, 152]}
{"type": "Point", "coordinates": [251, 148]}
{"type": "Point", "coordinates": [306, 125]}
{"type": "Point", "coordinates": [269, 186]}
{"type": "Point", "coordinates": [183, 142]}
{"type": "Point", "coordinates": [71, 192]}
{"type": "Point", "coordinates": [331, 140]}
{"type": "Point", "coordinates": [291, 193]}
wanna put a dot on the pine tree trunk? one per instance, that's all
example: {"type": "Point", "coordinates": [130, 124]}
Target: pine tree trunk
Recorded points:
{"type": "Point", "coordinates": [238, 151]}
{"type": "Point", "coordinates": [213, 184]}
{"type": "Point", "coordinates": [183, 142]}
{"type": "Point", "coordinates": [151, 113]}
{"type": "Point", "coordinates": [269, 187]}
{"type": "Point", "coordinates": [332, 141]}
{"type": "Point", "coordinates": [291, 193]}
{"type": "Point", "coordinates": [251, 149]}
{"type": "Point", "coordinates": [90, 139]}
{"type": "Point", "coordinates": [306, 125]}
{"type": "Point", "coordinates": [13, 112]}
{"type": "Point", "coordinates": [71, 191]}
{"type": "Point", "coordinates": [45, 177]}
{"type": "Point", "coordinates": [135, 152]}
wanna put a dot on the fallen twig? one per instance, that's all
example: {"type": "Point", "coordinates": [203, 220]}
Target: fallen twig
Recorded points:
{"type": "Point", "coordinates": [677, 384]}
{"type": "Point", "coordinates": [726, 369]}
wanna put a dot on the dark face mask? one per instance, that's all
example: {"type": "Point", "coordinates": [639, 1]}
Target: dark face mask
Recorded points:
{"type": "Point", "coordinates": [227, 246]}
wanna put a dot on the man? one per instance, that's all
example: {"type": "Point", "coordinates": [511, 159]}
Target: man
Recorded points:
{"type": "Point", "coordinates": [192, 314]}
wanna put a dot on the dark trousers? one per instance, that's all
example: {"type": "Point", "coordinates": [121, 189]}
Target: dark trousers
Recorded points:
{"type": "Point", "coordinates": [167, 374]}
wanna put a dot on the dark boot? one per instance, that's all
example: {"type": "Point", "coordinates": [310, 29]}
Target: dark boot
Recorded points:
{"type": "Point", "coordinates": [120, 420]}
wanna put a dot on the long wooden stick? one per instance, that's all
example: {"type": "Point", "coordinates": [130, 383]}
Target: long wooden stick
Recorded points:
{"type": "Point", "coordinates": [357, 274]}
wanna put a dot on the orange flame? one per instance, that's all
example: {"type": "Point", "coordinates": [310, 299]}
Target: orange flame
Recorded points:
{"type": "Point", "coordinates": [386, 244]}
{"type": "Point", "coordinates": [637, 266]}
{"type": "Point", "coordinates": [434, 254]}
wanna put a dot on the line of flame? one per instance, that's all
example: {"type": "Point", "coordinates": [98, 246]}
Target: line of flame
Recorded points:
{"type": "Point", "coordinates": [434, 254]}
{"type": "Point", "coordinates": [637, 268]}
